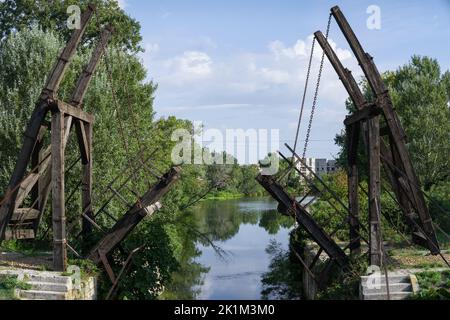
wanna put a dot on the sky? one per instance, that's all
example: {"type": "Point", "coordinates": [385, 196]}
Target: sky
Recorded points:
{"type": "Point", "coordinates": [242, 64]}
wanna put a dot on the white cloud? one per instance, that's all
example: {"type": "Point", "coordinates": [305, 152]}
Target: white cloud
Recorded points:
{"type": "Point", "coordinates": [187, 67]}
{"type": "Point", "coordinates": [229, 89]}
{"type": "Point", "coordinates": [276, 74]}
{"type": "Point", "coordinates": [279, 49]}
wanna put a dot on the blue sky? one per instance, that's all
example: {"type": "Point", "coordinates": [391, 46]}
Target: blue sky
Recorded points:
{"type": "Point", "coordinates": [242, 64]}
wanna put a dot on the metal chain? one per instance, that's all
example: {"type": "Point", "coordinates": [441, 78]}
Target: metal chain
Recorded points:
{"type": "Point", "coordinates": [308, 132]}
{"type": "Point", "coordinates": [308, 72]}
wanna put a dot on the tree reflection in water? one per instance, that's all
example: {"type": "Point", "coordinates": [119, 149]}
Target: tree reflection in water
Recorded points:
{"type": "Point", "coordinates": [210, 223]}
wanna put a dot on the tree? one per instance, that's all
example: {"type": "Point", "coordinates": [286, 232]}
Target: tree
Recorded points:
{"type": "Point", "coordinates": [124, 125]}
{"type": "Point", "coordinates": [421, 95]}
{"type": "Point", "coordinates": [50, 15]}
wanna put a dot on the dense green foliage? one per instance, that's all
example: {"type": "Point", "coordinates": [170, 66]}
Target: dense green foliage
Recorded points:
{"type": "Point", "coordinates": [52, 16]}
{"type": "Point", "coordinates": [421, 96]}
{"type": "Point", "coordinates": [8, 284]}
{"type": "Point", "coordinates": [121, 99]}
{"type": "Point", "coordinates": [283, 280]}
{"type": "Point", "coordinates": [433, 285]}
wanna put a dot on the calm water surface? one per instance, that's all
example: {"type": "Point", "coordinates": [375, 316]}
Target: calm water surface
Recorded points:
{"type": "Point", "coordinates": [243, 229]}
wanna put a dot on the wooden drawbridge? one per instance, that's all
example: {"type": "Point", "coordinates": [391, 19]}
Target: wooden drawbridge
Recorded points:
{"type": "Point", "coordinates": [385, 146]}
{"type": "Point", "coordinates": [26, 197]}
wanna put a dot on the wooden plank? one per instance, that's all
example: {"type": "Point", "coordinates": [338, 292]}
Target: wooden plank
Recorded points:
{"type": "Point", "coordinates": [305, 219]}
{"type": "Point", "coordinates": [86, 75]}
{"type": "Point", "coordinates": [44, 188]}
{"type": "Point", "coordinates": [133, 216]}
{"type": "Point", "coordinates": [25, 188]}
{"type": "Point", "coordinates": [67, 124]}
{"type": "Point", "coordinates": [24, 214]}
{"type": "Point", "coordinates": [58, 205]}
{"type": "Point", "coordinates": [397, 133]}
{"type": "Point", "coordinates": [400, 194]}
{"type": "Point", "coordinates": [84, 143]}
{"type": "Point", "coordinates": [367, 112]}
{"type": "Point", "coordinates": [66, 56]}
{"type": "Point", "coordinates": [344, 74]}
{"type": "Point", "coordinates": [19, 234]}
{"type": "Point", "coordinates": [35, 162]}
{"type": "Point", "coordinates": [86, 189]}
{"type": "Point", "coordinates": [375, 241]}
{"type": "Point", "coordinates": [353, 182]}
{"type": "Point", "coordinates": [73, 111]}
{"type": "Point", "coordinates": [23, 159]}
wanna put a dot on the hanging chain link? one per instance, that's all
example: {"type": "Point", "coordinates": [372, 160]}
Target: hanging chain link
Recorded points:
{"type": "Point", "coordinates": [308, 72]}
{"type": "Point", "coordinates": [308, 132]}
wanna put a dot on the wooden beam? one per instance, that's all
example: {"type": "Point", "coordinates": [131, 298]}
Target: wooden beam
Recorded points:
{"type": "Point", "coordinates": [353, 182]}
{"type": "Point", "coordinates": [86, 75]}
{"type": "Point", "coordinates": [86, 184]}
{"type": "Point", "coordinates": [35, 162]}
{"type": "Point", "coordinates": [38, 117]}
{"type": "Point", "coordinates": [367, 112]}
{"type": "Point", "coordinates": [58, 205]}
{"type": "Point", "coordinates": [73, 111]}
{"type": "Point", "coordinates": [67, 124]}
{"type": "Point", "coordinates": [25, 214]}
{"type": "Point", "coordinates": [66, 56]}
{"type": "Point", "coordinates": [375, 240]}
{"type": "Point", "coordinates": [45, 173]}
{"type": "Point", "coordinates": [19, 234]}
{"type": "Point", "coordinates": [358, 99]}
{"type": "Point", "coordinates": [23, 159]}
{"type": "Point", "coordinates": [133, 216]}
{"type": "Point", "coordinates": [344, 74]}
{"type": "Point", "coordinates": [384, 101]}
{"type": "Point", "coordinates": [305, 219]}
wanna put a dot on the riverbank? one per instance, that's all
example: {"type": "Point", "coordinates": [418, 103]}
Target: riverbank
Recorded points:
{"type": "Point", "coordinates": [230, 195]}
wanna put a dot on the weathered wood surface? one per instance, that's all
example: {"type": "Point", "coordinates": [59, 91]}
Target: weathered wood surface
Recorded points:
{"type": "Point", "coordinates": [88, 71]}
{"type": "Point", "coordinates": [19, 234]}
{"type": "Point", "coordinates": [44, 186]}
{"type": "Point", "coordinates": [66, 56]}
{"type": "Point", "coordinates": [58, 199]}
{"type": "Point", "coordinates": [24, 214]}
{"type": "Point", "coordinates": [132, 218]}
{"type": "Point", "coordinates": [353, 132]}
{"type": "Point", "coordinates": [73, 111]}
{"type": "Point", "coordinates": [375, 240]}
{"type": "Point", "coordinates": [360, 103]}
{"type": "Point", "coordinates": [7, 209]}
{"type": "Point", "coordinates": [86, 184]}
{"type": "Point", "coordinates": [397, 133]}
{"type": "Point", "coordinates": [38, 117]}
{"type": "Point", "coordinates": [304, 218]}
{"type": "Point", "coordinates": [365, 113]}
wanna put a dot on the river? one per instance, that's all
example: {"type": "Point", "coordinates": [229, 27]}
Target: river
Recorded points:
{"type": "Point", "coordinates": [239, 247]}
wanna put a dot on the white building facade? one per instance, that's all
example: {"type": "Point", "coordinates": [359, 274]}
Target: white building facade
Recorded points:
{"type": "Point", "coordinates": [319, 166]}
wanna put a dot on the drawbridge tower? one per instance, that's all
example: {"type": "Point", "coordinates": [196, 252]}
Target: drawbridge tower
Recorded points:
{"type": "Point", "coordinates": [378, 126]}
{"type": "Point", "coordinates": [29, 190]}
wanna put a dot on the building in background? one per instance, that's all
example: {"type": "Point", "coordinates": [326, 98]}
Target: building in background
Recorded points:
{"type": "Point", "coordinates": [319, 166]}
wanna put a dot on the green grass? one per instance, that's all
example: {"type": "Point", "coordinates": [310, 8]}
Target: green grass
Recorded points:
{"type": "Point", "coordinates": [433, 285]}
{"type": "Point", "coordinates": [8, 284]}
{"type": "Point", "coordinates": [87, 268]}
{"type": "Point", "coordinates": [224, 195]}
{"type": "Point", "coordinates": [28, 249]}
